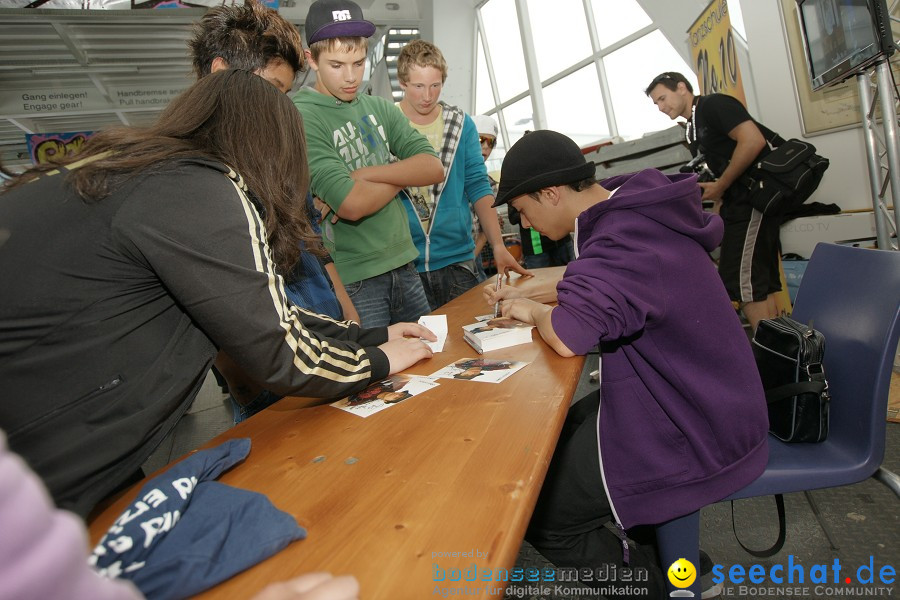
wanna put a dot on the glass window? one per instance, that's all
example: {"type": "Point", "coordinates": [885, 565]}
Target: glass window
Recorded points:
{"type": "Point", "coordinates": [617, 19]}
{"type": "Point", "coordinates": [519, 118]}
{"type": "Point", "coordinates": [560, 34]}
{"type": "Point", "coordinates": [505, 44]}
{"type": "Point", "coordinates": [628, 72]}
{"type": "Point", "coordinates": [574, 106]}
{"type": "Point", "coordinates": [484, 97]}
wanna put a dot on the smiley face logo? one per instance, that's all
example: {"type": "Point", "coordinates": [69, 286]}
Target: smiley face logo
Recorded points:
{"type": "Point", "coordinates": [682, 573]}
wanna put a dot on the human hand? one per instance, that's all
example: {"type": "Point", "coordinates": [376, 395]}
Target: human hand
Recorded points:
{"type": "Point", "coordinates": [312, 586]}
{"type": "Point", "coordinates": [523, 309]}
{"type": "Point", "coordinates": [324, 209]}
{"type": "Point", "coordinates": [404, 352]}
{"type": "Point", "coordinates": [712, 190]}
{"type": "Point", "coordinates": [399, 331]}
{"type": "Point", "coordinates": [506, 262]}
{"type": "Point", "coordinates": [492, 295]}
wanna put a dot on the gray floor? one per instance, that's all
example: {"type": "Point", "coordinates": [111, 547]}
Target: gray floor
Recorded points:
{"type": "Point", "coordinates": [863, 519]}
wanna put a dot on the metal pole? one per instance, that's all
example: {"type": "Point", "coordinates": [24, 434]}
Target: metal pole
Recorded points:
{"type": "Point", "coordinates": [867, 109]}
{"type": "Point", "coordinates": [889, 120]}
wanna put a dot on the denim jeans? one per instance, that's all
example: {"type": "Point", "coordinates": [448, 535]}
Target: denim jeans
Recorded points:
{"type": "Point", "coordinates": [443, 285]}
{"type": "Point", "coordinates": [554, 257]}
{"type": "Point", "coordinates": [265, 399]}
{"type": "Point", "coordinates": [392, 297]}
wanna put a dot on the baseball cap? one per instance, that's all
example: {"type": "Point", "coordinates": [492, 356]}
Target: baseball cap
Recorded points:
{"type": "Point", "coordinates": [335, 18]}
{"type": "Point", "coordinates": [485, 125]}
{"type": "Point", "coordinates": [541, 159]}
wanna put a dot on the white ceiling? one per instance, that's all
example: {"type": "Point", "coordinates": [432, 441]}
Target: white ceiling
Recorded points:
{"type": "Point", "coordinates": [64, 70]}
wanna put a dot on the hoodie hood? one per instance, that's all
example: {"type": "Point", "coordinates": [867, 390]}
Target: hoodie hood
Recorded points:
{"type": "Point", "coordinates": [672, 201]}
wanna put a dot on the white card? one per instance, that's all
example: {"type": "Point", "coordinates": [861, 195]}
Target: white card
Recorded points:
{"type": "Point", "coordinates": [438, 325]}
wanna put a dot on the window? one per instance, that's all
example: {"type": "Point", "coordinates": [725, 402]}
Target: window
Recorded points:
{"type": "Point", "coordinates": [560, 34]}
{"type": "Point", "coordinates": [573, 103]}
{"type": "Point", "coordinates": [628, 73]}
{"type": "Point", "coordinates": [502, 28]}
{"type": "Point", "coordinates": [574, 106]}
{"type": "Point", "coordinates": [484, 96]}
{"type": "Point", "coordinates": [617, 19]}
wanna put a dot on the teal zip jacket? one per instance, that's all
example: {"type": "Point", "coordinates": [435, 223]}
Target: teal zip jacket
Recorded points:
{"type": "Point", "coordinates": [449, 237]}
{"type": "Point", "coordinates": [342, 137]}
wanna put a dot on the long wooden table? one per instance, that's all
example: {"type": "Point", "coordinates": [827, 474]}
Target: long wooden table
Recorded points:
{"type": "Point", "coordinates": [441, 481]}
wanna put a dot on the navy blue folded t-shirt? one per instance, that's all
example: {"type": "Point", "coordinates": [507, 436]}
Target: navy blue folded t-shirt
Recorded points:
{"type": "Point", "coordinates": [185, 532]}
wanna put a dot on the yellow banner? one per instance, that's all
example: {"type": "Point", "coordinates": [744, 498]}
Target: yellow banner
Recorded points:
{"type": "Point", "coordinates": [713, 52]}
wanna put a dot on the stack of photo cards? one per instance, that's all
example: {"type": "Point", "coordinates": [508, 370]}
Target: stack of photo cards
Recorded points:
{"type": "Point", "coordinates": [385, 394]}
{"type": "Point", "coordinates": [496, 333]}
{"type": "Point", "coordinates": [486, 370]}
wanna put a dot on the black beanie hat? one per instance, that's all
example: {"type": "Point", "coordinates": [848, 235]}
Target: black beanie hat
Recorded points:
{"type": "Point", "coordinates": [541, 159]}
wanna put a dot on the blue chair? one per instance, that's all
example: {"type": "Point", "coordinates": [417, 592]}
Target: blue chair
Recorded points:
{"type": "Point", "coordinates": [851, 295]}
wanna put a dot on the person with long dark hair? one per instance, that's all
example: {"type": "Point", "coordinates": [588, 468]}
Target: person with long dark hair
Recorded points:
{"type": "Point", "coordinates": [127, 268]}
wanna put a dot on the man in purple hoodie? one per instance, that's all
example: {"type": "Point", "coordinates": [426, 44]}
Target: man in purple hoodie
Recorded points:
{"type": "Point", "coordinates": [680, 419]}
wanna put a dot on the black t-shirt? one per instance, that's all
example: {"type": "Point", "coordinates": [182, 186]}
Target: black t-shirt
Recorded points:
{"type": "Point", "coordinates": [715, 116]}
{"type": "Point", "coordinates": [535, 243]}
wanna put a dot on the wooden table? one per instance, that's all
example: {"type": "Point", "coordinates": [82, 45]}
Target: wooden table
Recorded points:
{"type": "Point", "coordinates": [389, 497]}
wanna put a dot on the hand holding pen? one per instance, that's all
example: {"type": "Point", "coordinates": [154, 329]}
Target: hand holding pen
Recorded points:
{"type": "Point", "coordinates": [497, 291]}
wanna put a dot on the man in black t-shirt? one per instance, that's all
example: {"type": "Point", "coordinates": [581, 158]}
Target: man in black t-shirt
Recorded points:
{"type": "Point", "coordinates": [720, 128]}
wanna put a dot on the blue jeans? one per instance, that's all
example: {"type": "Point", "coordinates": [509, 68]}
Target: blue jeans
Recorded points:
{"type": "Point", "coordinates": [443, 285]}
{"type": "Point", "coordinates": [479, 270]}
{"type": "Point", "coordinates": [265, 399]}
{"type": "Point", "coordinates": [392, 297]}
{"type": "Point", "coordinates": [554, 257]}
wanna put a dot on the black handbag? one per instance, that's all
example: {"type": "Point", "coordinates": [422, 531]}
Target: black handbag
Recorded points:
{"type": "Point", "coordinates": [789, 358]}
{"type": "Point", "coordinates": [785, 176]}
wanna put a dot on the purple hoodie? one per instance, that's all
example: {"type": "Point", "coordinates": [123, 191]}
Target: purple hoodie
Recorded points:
{"type": "Point", "coordinates": [683, 419]}
{"type": "Point", "coordinates": [43, 551]}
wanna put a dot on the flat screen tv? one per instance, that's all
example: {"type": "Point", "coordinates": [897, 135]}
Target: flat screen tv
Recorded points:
{"type": "Point", "coordinates": [843, 37]}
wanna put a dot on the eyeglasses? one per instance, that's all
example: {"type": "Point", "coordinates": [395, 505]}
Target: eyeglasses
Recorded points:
{"type": "Point", "coordinates": [491, 142]}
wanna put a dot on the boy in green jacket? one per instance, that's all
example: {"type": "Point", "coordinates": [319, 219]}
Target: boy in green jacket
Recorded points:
{"type": "Point", "coordinates": [362, 152]}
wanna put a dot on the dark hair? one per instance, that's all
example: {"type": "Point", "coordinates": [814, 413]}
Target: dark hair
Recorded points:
{"type": "Point", "coordinates": [577, 186]}
{"type": "Point", "coordinates": [670, 79]}
{"type": "Point", "coordinates": [211, 119]}
{"type": "Point", "coordinates": [246, 37]}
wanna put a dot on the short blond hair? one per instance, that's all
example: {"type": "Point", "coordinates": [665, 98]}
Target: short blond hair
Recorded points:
{"type": "Point", "coordinates": [342, 44]}
{"type": "Point", "coordinates": [419, 53]}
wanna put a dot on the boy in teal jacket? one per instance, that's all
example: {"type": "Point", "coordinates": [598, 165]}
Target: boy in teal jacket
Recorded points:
{"type": "Point", "coordinates": [440, 216]}
{"type": "Point", "coordinates": [362, 152]}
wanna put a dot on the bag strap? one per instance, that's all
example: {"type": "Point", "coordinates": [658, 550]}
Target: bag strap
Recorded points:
{"type": "Point", "coordinates": [793, 389]}
{"type": "Point", "coordinates": [773, 141]}
{"type": "Point", "coordinates": [771, 136]}
{"type": "Point", "coordinates": [782, 532]}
